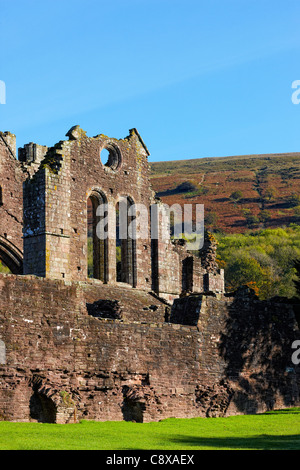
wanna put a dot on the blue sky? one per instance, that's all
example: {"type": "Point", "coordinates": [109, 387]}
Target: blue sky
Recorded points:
{"type": "Point", "coordinates": [196, 78]}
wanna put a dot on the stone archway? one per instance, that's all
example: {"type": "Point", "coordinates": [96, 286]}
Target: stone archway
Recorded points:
{"type": "Point", "coordinates": [11, 256]}
{"type": "Point", "coordinates": [42, 408]}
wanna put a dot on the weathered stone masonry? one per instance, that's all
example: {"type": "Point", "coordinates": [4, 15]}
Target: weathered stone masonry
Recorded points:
{"type": "Point", "coordinates": [55, 216]}
{"type": "Point", "coordinates": [62, 362]}
{"type": "Point", "coordinates": [158, 339]}
{"type": "Point", "coordinates": [11, 204]}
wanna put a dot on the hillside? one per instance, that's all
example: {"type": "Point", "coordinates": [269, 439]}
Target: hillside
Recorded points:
{"type": "Point", "coordinates": [266, 187]}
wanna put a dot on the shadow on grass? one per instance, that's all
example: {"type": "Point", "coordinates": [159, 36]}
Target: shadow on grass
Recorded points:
{"type": "Point", "coordinates": [261, 442]}
{"type": "Point", "coordinates": [290, 411]}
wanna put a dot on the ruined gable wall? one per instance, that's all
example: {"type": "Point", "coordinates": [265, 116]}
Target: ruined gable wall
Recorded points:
{"type": "Point", "coordinates": [130, 179]}
{"type": "Point", "coordinates": [70, 172]}
{"type": "Point", "coordinates": [56, 214]}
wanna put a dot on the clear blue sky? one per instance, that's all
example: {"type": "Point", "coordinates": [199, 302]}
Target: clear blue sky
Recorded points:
{"type": "Point", "coordinates": [196, 78]}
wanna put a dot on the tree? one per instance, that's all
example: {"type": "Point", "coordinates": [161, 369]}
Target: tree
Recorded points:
{"type": "Point", "coordinates": [270, 194]}
{"type": "Point", "coordinates": [297, 211]}
{"type": "Point", "coordinates": [211, 219]}
{"type": "Point", "coordinates": [244, 270]}
{"type": "Point", "coordinates": [264, 216]}
{"type": "Point", "coordinates": [294, 200]}
{"type": "Point", "coordinates": [274, 250]}
{"type": "Point", "coordinates": [251, 220]}
{"type": "Point", "coordinates": [236, 196]}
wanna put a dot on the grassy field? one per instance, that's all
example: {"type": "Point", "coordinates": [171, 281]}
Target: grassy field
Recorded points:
{"type": "Point", "coordinates": [277, 430]}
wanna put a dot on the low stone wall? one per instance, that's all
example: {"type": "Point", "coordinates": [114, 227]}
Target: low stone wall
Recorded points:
{"type": "Point", "coordinates": [62, 360]}
{"type": "Point", "coordinates": [247, 346]}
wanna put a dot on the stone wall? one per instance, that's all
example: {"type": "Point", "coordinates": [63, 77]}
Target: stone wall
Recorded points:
{"type": "Point", "coordinates": [54, 348]}
{"type": "Point", "coordinates": [118, 347]}
{"type": "Point", "coordinates": [247, 345]}
{"type": "Point", "coordinates": [11, 204]}
{"type": "Point", "coordinates": [70, 173]}
{"type": "Point", "coordinates": [45, 197]}
{"type": "Point", "coordinates": [87, 351]}
{"type": "Point", "coordinates": [13, 173]}
{"type": "Point", "coordinates": [56, 200]}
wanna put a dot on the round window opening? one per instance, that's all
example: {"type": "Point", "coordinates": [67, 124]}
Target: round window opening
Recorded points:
{"type": "Point", "coordinates": [110, 156]}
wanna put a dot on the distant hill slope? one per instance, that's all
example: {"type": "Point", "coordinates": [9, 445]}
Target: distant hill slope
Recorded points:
{"type": "Point", "coordinates": [267, 189]}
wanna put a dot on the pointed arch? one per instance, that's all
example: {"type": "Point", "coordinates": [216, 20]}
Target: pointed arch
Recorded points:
{"type": "Point", "coordinates": [126, 241]}
{"type": "Point", "coordinates": [11, 256]}
{"type": "Point", "coordinates": [97, 245]}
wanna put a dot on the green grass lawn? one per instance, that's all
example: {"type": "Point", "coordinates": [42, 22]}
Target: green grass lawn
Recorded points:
{"type": "Point", "coordinates": [269, 431]}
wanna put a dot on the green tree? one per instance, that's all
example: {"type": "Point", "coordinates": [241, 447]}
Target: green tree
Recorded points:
{"type": "Point", "coordinates": [270, 194]}
{"type": "Point", "coordinates": [264, 216]}
{"type": "Point", "coordinates": [236, 196]}
{"type": "Point", "coordinates": [245, 270]}
{"type": "Point", "coordinates": [297, 212]}
{"type": "Point", "coordinates": [294, 200]}
{"type": "Point", "coordinates": [273, 251]}
{"type": "Point", "coordinates": [211, 219]}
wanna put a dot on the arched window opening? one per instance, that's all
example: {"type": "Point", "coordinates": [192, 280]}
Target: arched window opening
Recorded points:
{"type": "Point", "coordinates": [11, 258]}
{"type": "Point", "coordinates": [126, 242]}
{"type": "Point", "coordinates": [97, 250]}
{"type": "Point", "coordinates": [118, 246]}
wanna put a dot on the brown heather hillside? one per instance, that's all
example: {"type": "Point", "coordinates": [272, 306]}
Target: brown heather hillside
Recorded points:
{"type": "Point", "coordinates": [269, 187]}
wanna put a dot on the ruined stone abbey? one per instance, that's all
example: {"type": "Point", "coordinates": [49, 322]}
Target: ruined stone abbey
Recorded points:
{"type": "Point", "coordinates": [122, 328]}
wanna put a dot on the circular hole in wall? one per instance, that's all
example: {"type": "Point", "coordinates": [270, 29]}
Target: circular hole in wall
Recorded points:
{"type": "Point", "coordinates": [110, 156]}
{"type": "Point", "coordinates": [104, 156]}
